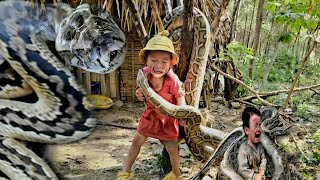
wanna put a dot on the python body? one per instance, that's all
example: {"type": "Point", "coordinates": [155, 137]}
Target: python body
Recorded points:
{"type": "Point", "coordinates": [40, 100]}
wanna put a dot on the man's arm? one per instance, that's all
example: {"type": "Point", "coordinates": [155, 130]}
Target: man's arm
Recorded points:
{"type": "Point", "coordinates": [263, 164]}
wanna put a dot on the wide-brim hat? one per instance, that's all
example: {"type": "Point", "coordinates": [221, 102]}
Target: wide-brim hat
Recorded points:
{"type": "Point", "coordinates": [160, 42]}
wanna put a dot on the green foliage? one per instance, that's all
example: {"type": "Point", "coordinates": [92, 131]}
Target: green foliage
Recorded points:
{"type": "Point", "coordinates": [312, 158]}
{"type": "Point", "coordinates": [277, 100]}
{"type": "Point", "coordinates": [305, 111]}
{"type": "Point", "coordinates": [286, 37]}
{"type": "Point", "coordinates": [312, 155]}
{"type": "Point", "coordinates": [295, 13]}
{"type": "Point", "coordinates": [239, 53]}
{"type": "Point", "coordinates": [316, 138]}
{"type": "Point", "coordinates": [302, 111]}
{"type": "Point", "coordinates": [310, 75]}
{"type": "Point", "coordinates": [283, 69]}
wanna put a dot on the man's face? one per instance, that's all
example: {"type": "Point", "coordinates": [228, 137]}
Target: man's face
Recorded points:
{"type": "Point", "coordinates": [254, 131]}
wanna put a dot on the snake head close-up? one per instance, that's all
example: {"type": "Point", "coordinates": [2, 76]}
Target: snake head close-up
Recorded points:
{"type": "Point", "coordinates": [95, 41]}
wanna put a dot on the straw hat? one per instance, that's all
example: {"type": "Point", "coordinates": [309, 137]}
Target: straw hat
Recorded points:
{"type": "Point", "coordinates": [160, 42]}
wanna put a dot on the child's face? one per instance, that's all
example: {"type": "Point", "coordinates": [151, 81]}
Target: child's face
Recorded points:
{"type": "Point", "coordinates": [158, 62]}
{"type": "Point", "coordinates": [254, 131]}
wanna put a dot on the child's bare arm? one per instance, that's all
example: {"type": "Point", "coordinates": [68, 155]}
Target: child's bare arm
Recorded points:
{"type": "Point", "coordinates": [181, 101]}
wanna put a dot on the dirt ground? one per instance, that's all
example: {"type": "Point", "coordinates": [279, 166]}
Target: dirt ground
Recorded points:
{"type": "Point", "coordinates": [102, 154]}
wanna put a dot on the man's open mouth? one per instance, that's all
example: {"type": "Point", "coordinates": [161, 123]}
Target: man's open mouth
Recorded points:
{"type": "Point", "coordinates": [257, 135]}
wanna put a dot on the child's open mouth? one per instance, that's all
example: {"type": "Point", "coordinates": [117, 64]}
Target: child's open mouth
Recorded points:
{"type": "Point", "coordinates": [257, 137]}
{"type": "Point", "coordinates": [157, 71]}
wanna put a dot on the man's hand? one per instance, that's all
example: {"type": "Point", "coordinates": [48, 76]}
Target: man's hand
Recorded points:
{"type": "Point", "coordinates": [261, 173]}
{"type": "Point", "coordinates": [140, 95]}
{"type": "Point", "coordinates": [259, 177]}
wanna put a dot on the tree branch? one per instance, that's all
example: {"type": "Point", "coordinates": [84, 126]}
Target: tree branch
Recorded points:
{"type": "Point", "coordinates": [264, 102]}
{"type": "Point", "coordinates": [272, 93]}
{"type": "Point", "coordinates": [305, 59]}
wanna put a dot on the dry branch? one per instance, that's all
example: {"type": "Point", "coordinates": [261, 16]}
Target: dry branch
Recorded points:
{"type": "Point", "coordinates": [137, 21]}
{"type": "Point", "coordinates": [305, 59]}
{"type": "Point", "coordinates": [156, 15]}
{"type": "Point", "coordinates": [272, 93]}
{"type": "Point", "coordinates": [297, 146]}
{"type": "Point", "coordinates": [264, 102]}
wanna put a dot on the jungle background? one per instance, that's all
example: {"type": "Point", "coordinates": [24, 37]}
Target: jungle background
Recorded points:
{"type": "Point", "coordinates": [264, 52]}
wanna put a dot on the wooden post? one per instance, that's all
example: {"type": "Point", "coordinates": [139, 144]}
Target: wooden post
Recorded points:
{"type": "Point", "coordinates": [114, 85]}
{"type": "Point", "coordinates": [103, 86]}
{"type": "Point", "coordinates": [87, 82]}
{"type": "Point", "coordinates": [132, 71]}
{"type": "Point", "coordinates": [93, 77]}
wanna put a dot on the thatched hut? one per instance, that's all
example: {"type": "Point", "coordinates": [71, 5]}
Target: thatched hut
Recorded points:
{"type": "Point", "coordinates": [121, 83]}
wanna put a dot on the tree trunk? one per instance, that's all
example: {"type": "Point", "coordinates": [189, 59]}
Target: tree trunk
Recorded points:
{"type": "Point", "coordinates": [256, 35]}
{"type": "Point", "coordinates": [274, 53]}
{"type": "Point", "coordinates": [187, 41]}
{"type": "Point", "coordinates": [235, 10]}
{"type": "Point", "coordinates": [296, 45]}
{"type": "Point", "coordinates": [251, 21]}
{"type": "Point", "coordinates": [245, 30]}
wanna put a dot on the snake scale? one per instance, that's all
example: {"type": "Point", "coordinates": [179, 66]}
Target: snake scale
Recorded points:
{"type": "Point", "coordinates": [40, 100]}
{"type": "Point", "coordinates": [207, 144]}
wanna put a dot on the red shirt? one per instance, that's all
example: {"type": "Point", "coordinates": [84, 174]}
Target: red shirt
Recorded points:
{"type": "Point", "coordinates": [155, 124]}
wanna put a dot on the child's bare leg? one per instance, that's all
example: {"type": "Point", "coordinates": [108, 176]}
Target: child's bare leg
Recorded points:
{"type": "Point", "coordinates": [134, 150]}
{"type": "Point", "coordinates": [174, 158]}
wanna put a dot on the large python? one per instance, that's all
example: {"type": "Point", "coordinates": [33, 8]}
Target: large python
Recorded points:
{"type": "Point", "coordinates": [40, 100]}
{"type": "Point", "coordinates": [201, 140]}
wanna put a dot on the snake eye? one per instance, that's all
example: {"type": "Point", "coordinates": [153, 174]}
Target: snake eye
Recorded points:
{"type": "Point", "coordinates": [69, 35]}
{"type": "Point", "coordinates": [77, 21]}
{"type": "Point", "coordinates": [113, 54]}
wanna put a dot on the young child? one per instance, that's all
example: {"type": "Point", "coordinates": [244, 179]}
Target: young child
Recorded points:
{"type": "Point", "coordinates": [251, 158]}
{"type": "Point", "coordinates": [159, 57]}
